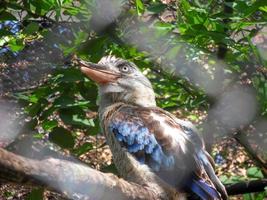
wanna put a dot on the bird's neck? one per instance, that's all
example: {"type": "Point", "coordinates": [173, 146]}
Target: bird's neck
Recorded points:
{"type": "Point", "coordinates": [108, 99]}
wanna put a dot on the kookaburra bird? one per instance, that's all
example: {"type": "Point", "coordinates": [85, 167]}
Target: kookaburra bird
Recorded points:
{"type": "Point", "coordinates": [169, 147]}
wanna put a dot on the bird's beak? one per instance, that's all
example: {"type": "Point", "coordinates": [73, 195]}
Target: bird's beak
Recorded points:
{"type": "Point", "coordinates": [97, 72]}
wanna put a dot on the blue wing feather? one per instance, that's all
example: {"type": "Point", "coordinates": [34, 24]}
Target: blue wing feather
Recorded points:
{"type": "Point", "coordinates": [136, 137]}
{"type": "Point", "coordinates": [202, 189]}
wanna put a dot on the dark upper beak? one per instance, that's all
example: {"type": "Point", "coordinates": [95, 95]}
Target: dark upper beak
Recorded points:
{"type": "Point", "coordinates": [97, 72]}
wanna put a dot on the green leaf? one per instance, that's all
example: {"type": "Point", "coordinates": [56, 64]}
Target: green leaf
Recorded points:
{"type": "Point", "coordinates": [67, 102]}
{"type": "Point", "coordinates": [4, 32]}
{"type": "Point", "coordinates": [88, 91]}
{"type": "Point", "coordinates": [33, 109]}
{"type": "Point", "coordinates": [42, 6]}
{"type": "Point", "coordinates": [157, 8]}
{"type": "Point", "coordinates": [16, 44]}
{"type": "Point", "coordinates": [76, 117]}
{"type": "Point", "coordinates": [83, 149]}
{"type": "Point", "coordinates": [247, 197]}
{"type": "Point", "coordinates": [30, 125]}
{"type": "Point", "coordinates": [34, 98]}
{"type": "Point", "coordinates": [13, 5]}
{"type": "Point", "coordinates": [109, 169]}
{"type": "Point", "coordinates": [49, 124]}
{"type": "Point", "coordinates": [70, 75]}
{"type": "Point", "coordinates": [47, 112]}
{"type": "Point", "coordinates": [38, 136]}
{"type": "Point", "coordinates": [33, 27]}
{"type": "Point", "coordinates": [36, 194]}
{"type": "Point", "coordinates": [263, 8]}
{"type": "Point", "coordinates": [62, 137]}
{"type": "Point", "coordinates": [164, 26]}
{"type": "Point", "coordinates": [254, 172]}
{"type": "Point", "coordinates": [4, 16]}
{"type": "Point", "coordinates": [249, 10]}
{"type": "Point", "coordinates": [183, 28]}
{"type": "Point", "coordinates": [139, 7]}
{"type": "Point", "coordinates": [94, 130]}
{"type": "Point", "coordinates": [223, 179]}
{"type": "Point", "coordinates": [193, 117]}
{"type": "Point", "coordinates": [82, 121]}
{"type": "Point", "coordinates": [21, 96]}
{"type": "Point", "coordinates": [70, 10]}
{"type": "Point", "coordinates": [240, 25]}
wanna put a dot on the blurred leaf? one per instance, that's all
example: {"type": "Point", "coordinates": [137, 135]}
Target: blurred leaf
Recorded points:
{"type": "Point", "coordinates": [223, 179]}
{"type": "Point", "coordinates": [110, 169]}
{"type": "Point", "coordinates": [82, 121]}
{"type": "Point", "coordinates": [263, 8]}
{"type": "Point", "coordinates": [33, 27]}
{"type": "Point", "coordinates": [139, 7]}
{"type": "Point", "coordinates": [231, 179]}
{"type": "Point", "coordinates": [254, 172]}
{"type": "Point", "coordinates": [88, 90]}
{"type": "Point", "coordinates": [156, 8]}
{"type": "Point", "coordinates": [47, 112]}
{"type": "Point", "coordinates": [62, 137]}
{"type": "Point", "coordinates": [67, 102]}
{"type": "Point", "coordinates": [4, 16]}
{"type": "Point", "coordinates": [94, 130]}
{"type": "Point", "coordinates": [36, 194]}
{"type": "Point", "coordinates": [16, 44]}
{"type": "Point", "coordinates": [4, 32]}
{"type": "Point", "coordinates": [83, 149]}
{"type": "Point", "coordinates": [14, 5]}
{"type": "Point", "coordinates": [193, 117]}
{"type": "Point", "coordinates": [247, 10]}
{"type": "Point", "coordinates": [38, 136]}
{"type": "Point", "coordinates": [33, 109]}
{"type": "Point", "coordinates": [75, 116]}
{"type": "Point", "coordinates": [164, 26]}
{"type": "Point", "coordinates": [70, 75]}
{"type": "Point", "coordinates": [49, 124]}
{"type": "Point", "coordinates": [70, 10]}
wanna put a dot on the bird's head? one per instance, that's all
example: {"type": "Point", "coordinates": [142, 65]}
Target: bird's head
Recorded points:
{"type": "Point", "coordinates": [119, 81]}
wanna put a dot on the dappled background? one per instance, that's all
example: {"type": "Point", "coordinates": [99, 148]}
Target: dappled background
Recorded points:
{"type": "Point", "coordinates": [206, 61]}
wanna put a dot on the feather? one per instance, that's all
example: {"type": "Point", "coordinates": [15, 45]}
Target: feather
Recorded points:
{"type": "Point", "coordinates": [210, 172]}
{"type": "Point", "coordinates": [202, 189]}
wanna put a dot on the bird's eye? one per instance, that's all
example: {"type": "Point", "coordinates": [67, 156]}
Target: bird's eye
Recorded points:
{"type": "Point", "coordinates": [124, 68]}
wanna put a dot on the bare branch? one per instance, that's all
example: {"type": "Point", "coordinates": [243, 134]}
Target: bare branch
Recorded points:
{"type": "Point", "coordinates": [242, 140]}
{"type": "Point", "coordinates": [247, 187]}
{"type": "Point", "coordinates": [74, 179]}
{"type": "Point", "coordinates": [71, 178]}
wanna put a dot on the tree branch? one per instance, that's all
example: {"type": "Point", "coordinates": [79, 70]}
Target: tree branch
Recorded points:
{"type": "Point", "coordinates": [242, 140]}
{"type": "Point", "coordinates": [246, 187]}
{"type": "Point", "coordinates": [72, 178]}
{"type": "Point", "coordinates": [75, 179]}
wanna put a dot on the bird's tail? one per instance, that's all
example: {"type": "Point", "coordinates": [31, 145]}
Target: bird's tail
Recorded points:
{"type": "Point", "coordinates": [215, 180]}
{"type": "Point", "coordinates": [202, 189]}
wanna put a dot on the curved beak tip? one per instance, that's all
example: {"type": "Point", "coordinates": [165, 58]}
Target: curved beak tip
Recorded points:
{"type": "Point", "coordinates": [83, 63]}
